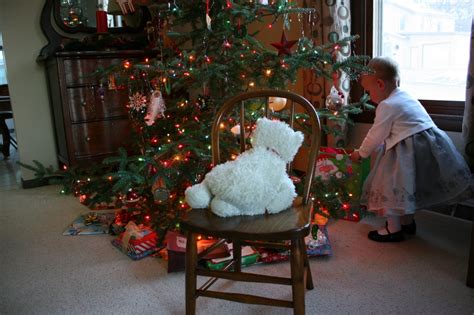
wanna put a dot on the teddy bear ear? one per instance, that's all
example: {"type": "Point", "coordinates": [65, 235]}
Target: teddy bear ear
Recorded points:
{"type": "Point", "coordinates": [298, 138]}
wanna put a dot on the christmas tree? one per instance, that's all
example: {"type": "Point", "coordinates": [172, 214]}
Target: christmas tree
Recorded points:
{"type": "Point", "coordinates": [201, 53]}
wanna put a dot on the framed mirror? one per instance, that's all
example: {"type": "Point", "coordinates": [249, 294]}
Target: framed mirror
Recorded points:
{"type": "Point", "coordinates": [74, 16]}
{"type": "Point", "coordinates": [65, 21]}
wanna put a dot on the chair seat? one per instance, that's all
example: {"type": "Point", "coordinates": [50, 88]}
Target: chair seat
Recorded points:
{"type": "Point", "coordinates": [288, 224]}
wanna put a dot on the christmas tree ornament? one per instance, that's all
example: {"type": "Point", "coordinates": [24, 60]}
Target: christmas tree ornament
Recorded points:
{"type": "Point", "coordinates": [235, 130]}
{"type": "Point", "coordinates": [137, 102]}
{"type": "Point", "coordinates": [335, 100]}
{"type": "Point", "coordinates": [163, 33]}
{"type": "Point", "coordinates": [151, 34]}
{"type": "Point", "coordinates": [156, 108]}
{"type": "Point", "coordinates": [160, 193]}
{"type": "Point", "coordinates": [131, 197]}
{"type": "Point", "coordinates": [111, 82]}
{"type": "Point", "coordinates": [284, 46]}
{"type": "Point", "coordinates": [208, 17]}
{"type": "Point", "coordinates": [101, 91]}
{"type": "Point", "coordinates": [276, 104]}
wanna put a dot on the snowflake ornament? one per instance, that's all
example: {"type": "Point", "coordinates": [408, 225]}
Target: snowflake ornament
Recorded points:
{"type": "Point", "coordinates": [138, 102]}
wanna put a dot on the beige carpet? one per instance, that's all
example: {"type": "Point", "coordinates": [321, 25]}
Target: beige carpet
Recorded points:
{"type": "Point", "coordinates": [43, 272]}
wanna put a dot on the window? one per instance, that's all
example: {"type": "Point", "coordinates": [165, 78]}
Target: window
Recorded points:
{"type": "Point", "coordinates": [3, 71]}
{"type": "Point", "coordinates": [430, 40]}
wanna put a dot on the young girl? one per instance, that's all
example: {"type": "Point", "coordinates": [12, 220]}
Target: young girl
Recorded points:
{"type": "Point", "coordinates": [417, 164]}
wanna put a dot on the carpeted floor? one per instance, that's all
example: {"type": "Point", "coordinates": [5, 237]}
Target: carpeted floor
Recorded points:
{"type": "Point", "coordinates": [43, 272]}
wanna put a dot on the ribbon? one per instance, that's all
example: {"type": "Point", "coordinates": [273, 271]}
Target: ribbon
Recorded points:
{"type": "Point", "coordinates": [132, 230]}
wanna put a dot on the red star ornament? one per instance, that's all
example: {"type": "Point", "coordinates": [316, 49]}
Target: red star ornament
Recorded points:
{"type": "Point", "coordinates": [284, 46]}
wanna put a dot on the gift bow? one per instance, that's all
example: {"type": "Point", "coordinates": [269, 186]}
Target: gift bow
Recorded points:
{"type": "Point", "coordinates": [132, 230]}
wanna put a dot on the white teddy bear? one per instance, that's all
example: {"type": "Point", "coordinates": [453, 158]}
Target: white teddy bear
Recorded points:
{"type": "Point", "coordinates": [256, 181]}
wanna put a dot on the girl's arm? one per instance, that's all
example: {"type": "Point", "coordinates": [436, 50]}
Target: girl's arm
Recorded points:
{"type": "Point", "coordinates": [379, 131]}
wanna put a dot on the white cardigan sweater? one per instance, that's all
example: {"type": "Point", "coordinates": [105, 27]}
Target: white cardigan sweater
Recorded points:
{"type": "Point", "coordinates": [396, 118]}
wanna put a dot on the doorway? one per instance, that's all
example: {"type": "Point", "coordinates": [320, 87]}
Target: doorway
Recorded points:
{"type": "Point", "coordinates": [9, 169]}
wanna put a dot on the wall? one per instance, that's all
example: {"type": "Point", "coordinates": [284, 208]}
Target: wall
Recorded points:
{"type": "Point", "coordinates": [23, 39]}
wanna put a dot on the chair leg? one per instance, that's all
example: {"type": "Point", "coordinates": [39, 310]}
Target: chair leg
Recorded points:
{"type": "Point", "coordinates": [297, 276]}
{"type": "Point", "coordinates": [309, 277]}
{"type": "Point", "coordinates": [191, 277]}
{"type": "Point", "coordinates": [237, 253]}
{"type": "Point", "coordinates": [6, 138]}
{"type": "Point", "coordinates": [13, 142]}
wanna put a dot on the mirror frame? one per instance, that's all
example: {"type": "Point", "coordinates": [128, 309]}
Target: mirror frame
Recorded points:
{"type": "Point", "coordinates": [142, 11]}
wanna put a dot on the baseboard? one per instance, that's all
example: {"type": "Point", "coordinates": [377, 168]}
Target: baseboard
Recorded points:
{"type": "Point", "coordinates": [462, 211]}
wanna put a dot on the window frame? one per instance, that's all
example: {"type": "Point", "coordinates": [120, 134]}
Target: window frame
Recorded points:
{"type": "Point", "coordinates": [446, 114]}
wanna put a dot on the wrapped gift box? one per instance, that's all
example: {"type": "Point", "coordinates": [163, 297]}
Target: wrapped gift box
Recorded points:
{"type": "Point", "coordinates": [249, 257]}
{"type": "Point", "coordinates": [92, 223]}
{"type": "Point", "coordinates": [136, 242]}
{"type": "Point", "coordinates": [176, 248]}
{"type": "Point", "coordinates": [336, 163]}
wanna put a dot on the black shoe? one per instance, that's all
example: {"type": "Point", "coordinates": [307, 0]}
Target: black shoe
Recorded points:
{"type": "Point", "coordinates": [409, 229]}
{"type": "Point", "coordinates": [389, 238]}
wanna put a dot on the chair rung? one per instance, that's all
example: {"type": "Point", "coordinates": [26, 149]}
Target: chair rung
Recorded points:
{"type": "Point", "coordinates": [243, 276]}
{"type": "Point", "coordinates": [245, 298]}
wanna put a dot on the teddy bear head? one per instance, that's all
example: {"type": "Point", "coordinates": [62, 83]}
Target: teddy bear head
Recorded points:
{"type": "Point", "coordinates": [277, 136]}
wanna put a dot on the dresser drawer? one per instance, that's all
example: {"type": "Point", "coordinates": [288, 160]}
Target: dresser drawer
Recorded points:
{"type": "Point", "coordinates": [85, 103]}
{"type": "Point", "coordinates": [100, 138]}
{"type": "Point", "coordinates": [80, 71]}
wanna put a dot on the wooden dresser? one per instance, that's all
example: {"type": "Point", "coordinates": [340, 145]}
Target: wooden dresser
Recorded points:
{"type": "Point", "coordinates": [91, 121]}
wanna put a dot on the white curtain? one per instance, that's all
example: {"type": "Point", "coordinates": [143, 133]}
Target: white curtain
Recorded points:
{"type": "Point", "coordinates": [331, 22]}
{"type": "Point", "coordinates": [468, 118]}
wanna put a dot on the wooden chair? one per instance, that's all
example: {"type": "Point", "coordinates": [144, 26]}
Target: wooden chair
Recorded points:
{"type": "Point", "coordinates": [285, 230]}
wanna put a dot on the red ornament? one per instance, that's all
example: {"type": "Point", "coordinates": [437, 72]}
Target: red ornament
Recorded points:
{"type": "Point", "coordinates": [132, 196]}
{"type": "Point", "coordinates": [284, 46]}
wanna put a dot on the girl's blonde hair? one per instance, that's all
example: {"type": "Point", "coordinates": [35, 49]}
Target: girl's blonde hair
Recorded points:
{"type": "Point", "coordinates": [385, 68]}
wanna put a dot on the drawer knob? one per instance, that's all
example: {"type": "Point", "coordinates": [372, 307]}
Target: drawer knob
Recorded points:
{"type": "Point", "coordinates": [84, 104]}
{"type": "Point", "coordinates": [88, 139]}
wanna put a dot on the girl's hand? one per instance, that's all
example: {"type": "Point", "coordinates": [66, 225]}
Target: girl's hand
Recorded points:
{"type": "Point", "coordinates": [355, 156]}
